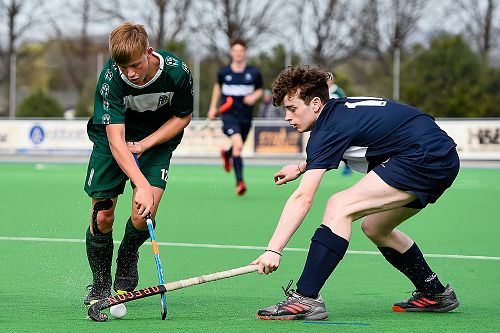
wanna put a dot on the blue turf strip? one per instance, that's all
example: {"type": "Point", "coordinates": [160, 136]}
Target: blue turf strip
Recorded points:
{"type": "Point", "coordinates": [335, 323]}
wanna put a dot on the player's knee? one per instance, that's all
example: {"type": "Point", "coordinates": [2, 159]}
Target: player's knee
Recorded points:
{"type": "Point", "coordinates": [104, 221]}
{"type": "Point", "coordinates": [368, 229]}
{"type": "Point", "coordinates": [237, 150]}
{"type": "Point", "coordinates": [371, 231]}
{"type": "Point", "coordinates": [336, 205]}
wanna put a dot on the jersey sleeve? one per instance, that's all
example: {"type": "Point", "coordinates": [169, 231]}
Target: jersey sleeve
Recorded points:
{"type": "Point", "coordinates": [183, 98]}
{"type": "Point", "coordinates": [109, 107]}
{"type": "Point", "coordinates": [220, 77]}
{"type": "Point", "coordinates": [325, 150]}
{"type": "Point", "coordinates": [258, 80]}
{"type": "Point", "coordinates": [342, 93]}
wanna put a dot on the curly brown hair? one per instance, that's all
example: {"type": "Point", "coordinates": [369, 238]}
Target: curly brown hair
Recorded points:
{"type": "Point", "coordinates": [307, 81]}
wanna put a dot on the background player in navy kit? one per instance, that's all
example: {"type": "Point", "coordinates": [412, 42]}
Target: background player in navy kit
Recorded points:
{"type": "Point", "coordinates": [334, 91]}
{"type": "Point", "coordinates": [409, 163]}
{"type": "Point", "coordinates": [242, 83]}
{"type": "Point", "coordinates": [142, 103]}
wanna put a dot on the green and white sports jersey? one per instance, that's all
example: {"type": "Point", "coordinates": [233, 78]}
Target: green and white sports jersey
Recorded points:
{"type": "Point", "coordinates": [336, 92]}
{"type": "Point", "coordinates": [143, 109]}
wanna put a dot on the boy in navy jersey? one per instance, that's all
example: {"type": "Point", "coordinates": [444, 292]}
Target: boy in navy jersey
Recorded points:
{"type": "Point", "coordinates": [143, 101]}
{"type": "Point", "coordinates": [409, 162]}
{"type": "Point", "coordinates": [237, 89]}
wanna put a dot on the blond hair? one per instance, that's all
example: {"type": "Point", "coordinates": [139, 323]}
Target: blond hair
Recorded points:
{"type": "Point", "coordinates": [127, 41]}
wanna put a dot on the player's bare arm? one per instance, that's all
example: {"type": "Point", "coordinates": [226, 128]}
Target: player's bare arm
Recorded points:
{"type": "Point", "coordinates": [289, 172]}
{"type": "Point", "coordinates": [167, 131]}
{"type": "Point", "coordinates": [212, 111]}
{"type": "Point", "coordinates": [144, 196]}
{"type": "Point", "coordinates": [294, 212]}
{"type": "Point", "coordinates": [252, 98]}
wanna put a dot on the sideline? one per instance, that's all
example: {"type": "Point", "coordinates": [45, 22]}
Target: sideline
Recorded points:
{"type": "Point", "coordinates": [207, 160]}
{"type": "Point", "coordinates": [238, 247]}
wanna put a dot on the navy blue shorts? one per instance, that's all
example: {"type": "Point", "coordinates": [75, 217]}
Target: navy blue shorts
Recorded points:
{"type": "Point", "coordinates": [425, 175]}
{"type": "Point", "coordinates": [231, 126]}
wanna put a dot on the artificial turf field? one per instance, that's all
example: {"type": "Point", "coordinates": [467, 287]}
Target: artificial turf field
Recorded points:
{"type": "Point", "coordinates": [44, 267]}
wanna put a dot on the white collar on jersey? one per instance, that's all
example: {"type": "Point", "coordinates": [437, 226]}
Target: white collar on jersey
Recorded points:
{"type": "Point", "coordinates": [158, 72]}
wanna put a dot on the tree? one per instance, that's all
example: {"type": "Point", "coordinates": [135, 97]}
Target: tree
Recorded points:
{"type": "Point", "coordinates": [13, 9]}
{"type": "Point", "coordinates": [328, 30]}
{"type": "Point", "coordinates": [443, 79]}
{"type": "Point", "coordinates": [32, 68]}
{"type": "Point", "coordinates": [480, 25]}
{"type": "Point", "coordinates": [253, 21]}
{"type": "Point", "coordinates": [166, 18]}
{"type": "Point", "coordinates": [272, 63]}
{"type": "Point", "coordinates": [40, 104]}
{"type": "Point", "coordinates": [168, 28]}
{"type": "Point", "coordinates": [77, 50]}
{"type": "Point", "coordinates": [208, 76]}
{"type": "Point", "coordinates": [386, 28]}
{"type": "Point", "coordinates": [488, 103]}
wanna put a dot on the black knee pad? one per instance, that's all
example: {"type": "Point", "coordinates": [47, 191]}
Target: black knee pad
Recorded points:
{"type": "Point", "coordinates": [98, 206]}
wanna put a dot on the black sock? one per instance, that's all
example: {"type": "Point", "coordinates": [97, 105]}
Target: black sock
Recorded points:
{"type": "Point", "coordinates": [413, 265]}
{"type": "Point", "coordinates": [100, 256]}
{"type": "Point", "coordinates": [238, 167]}
{"type": "Point", "coordinates": [325, 252]}
{"type": "Point", "coordinates": [132, 240]}
{"type": "Point", "coordinates": [229, 152]}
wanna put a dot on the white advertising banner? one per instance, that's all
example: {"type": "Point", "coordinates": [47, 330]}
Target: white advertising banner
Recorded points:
{"type": "Point", "coordinates": [477, 139]}
{"type": "Point", "coordinates": [44, 137]}
{"type": "Point", "coordinates": [203, 138]}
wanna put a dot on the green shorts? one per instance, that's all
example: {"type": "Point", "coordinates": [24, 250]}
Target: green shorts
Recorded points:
{"type": "Point", "coordinates": [105, 179]}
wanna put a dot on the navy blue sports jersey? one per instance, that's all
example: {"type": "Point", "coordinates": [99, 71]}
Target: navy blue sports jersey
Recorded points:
{"type": "Point", "coordinates": [366, 131]}
{"type": "Point", "coordinates": [238, 85]}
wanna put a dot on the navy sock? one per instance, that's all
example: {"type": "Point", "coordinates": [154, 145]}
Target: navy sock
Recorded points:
{"type": "Point", "coordinates": [132, 240]}
{"type": "Point", "coordinates": [325, 252]}
{"type": "Point", "coordinates": [238, 167]}
{"type": "Point", "coordinates": [229, 152]}
{"type": "Point", "coordinates": [413, 265]}
{"type": "Point", "coordinates": [100, 255]}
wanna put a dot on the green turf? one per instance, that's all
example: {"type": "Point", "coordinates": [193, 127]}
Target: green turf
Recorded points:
{"type": "Point", "coordinates": [42, 284]}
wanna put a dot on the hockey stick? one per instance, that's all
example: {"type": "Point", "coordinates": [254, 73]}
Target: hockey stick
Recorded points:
{"type": "Point", "coordinates": [156, 254]}
{"type": "Point", "coordinates": [94, 311]}
{"type": "Point", "coordinates": [222, 108]}
{"type": "Point", "coordinates": [227, 104]}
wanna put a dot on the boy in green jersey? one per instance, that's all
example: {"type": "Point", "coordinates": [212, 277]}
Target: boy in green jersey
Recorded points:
{"type": "Point", "coordinates": [143, 102]}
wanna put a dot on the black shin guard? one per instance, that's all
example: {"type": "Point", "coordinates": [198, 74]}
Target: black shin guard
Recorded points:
{"type": "Point", "coordinates": [132, 240]}
{"type": "Point", "coordinates": [100, 256]}
{"type": "Point", "coordinates": [412, 264]}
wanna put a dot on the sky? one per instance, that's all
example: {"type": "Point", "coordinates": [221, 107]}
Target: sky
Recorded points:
{"type": "Point", "coordinates": [441, 17]}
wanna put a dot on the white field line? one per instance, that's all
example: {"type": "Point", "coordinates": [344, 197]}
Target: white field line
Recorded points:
{"type": "Point", "coordinates": [238, 247]}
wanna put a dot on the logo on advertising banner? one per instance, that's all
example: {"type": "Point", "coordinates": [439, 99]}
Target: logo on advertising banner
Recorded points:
{"type": "Point", "coordinates": [484, 138]}
{"type": "Point", "coordinates": [277, 139]}
{"type": "Point", "coordinates": [37, 134]}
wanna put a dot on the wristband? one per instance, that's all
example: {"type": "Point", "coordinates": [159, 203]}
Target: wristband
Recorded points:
{"type": "Point", "coordinates": [273, 252]}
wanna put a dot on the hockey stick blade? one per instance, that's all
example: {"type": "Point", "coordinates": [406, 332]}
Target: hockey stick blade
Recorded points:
{"type": "Point", "coordinates": [95, 313]}
{"type": "Point", "coordinates": [227, 104]}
